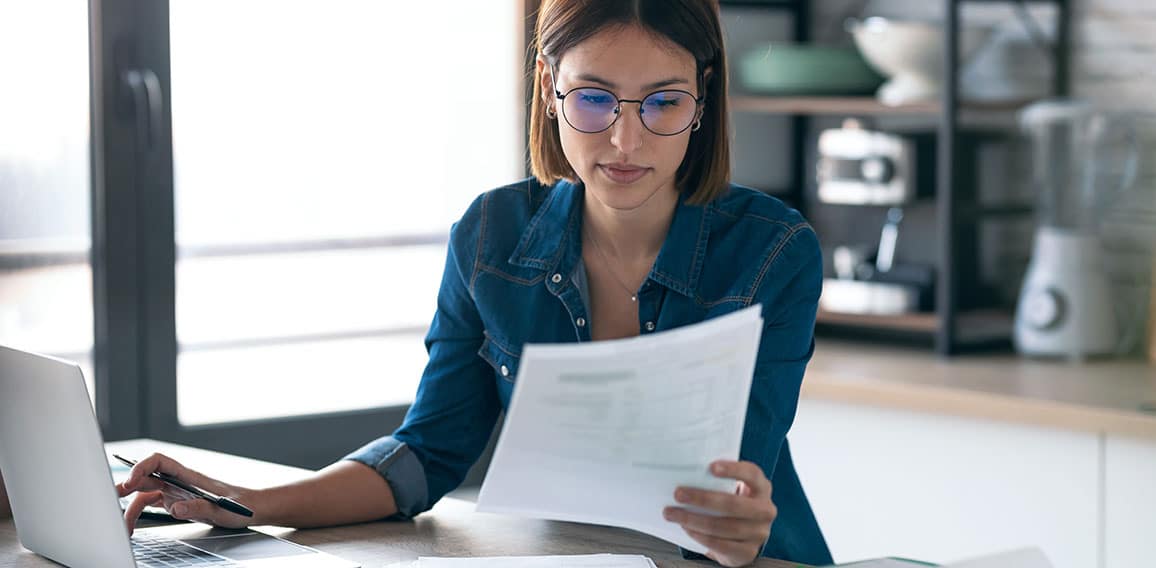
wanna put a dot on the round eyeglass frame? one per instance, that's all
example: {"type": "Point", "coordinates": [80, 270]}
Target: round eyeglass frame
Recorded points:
{"type": "Point", "coordinates": [561, 97]}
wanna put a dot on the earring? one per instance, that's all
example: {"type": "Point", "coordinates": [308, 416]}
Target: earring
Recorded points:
{"type": "Point", "coordinates": [550, 112]}
{"type": "Point", "coordinates": [697, 125]}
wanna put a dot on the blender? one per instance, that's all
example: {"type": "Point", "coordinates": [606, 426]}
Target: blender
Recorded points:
{"type": "Point", "coordinates": [1066, 306]}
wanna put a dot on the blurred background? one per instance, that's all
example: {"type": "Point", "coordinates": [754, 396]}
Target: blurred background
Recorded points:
{"type": "Point", "coordinates": [233, 215]}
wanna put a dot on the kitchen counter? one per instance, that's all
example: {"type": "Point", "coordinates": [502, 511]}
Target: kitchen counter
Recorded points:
{"type": "Point", "coordinates": [1108, 396]}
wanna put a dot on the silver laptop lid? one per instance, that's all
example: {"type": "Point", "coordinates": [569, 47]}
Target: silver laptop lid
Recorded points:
{"type": "Point", "coordinates": [52, 457]}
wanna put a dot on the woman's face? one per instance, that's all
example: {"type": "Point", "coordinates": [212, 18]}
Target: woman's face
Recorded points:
{"type": "Point", "coordinates": [626, 165]}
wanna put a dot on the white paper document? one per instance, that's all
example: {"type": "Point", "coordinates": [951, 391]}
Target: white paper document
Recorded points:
{"type": "Point", "coordinates": [1021, 558]}
{"type": "Point", "coordinates": [581, 561]}
{"type": "Point", "coordinates": [884, 563]}
{"type": "Point", "coordinates": [604, 432]}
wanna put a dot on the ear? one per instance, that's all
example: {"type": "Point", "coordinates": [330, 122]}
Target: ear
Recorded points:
{"type": "Point", "coordinates": [545, 80]}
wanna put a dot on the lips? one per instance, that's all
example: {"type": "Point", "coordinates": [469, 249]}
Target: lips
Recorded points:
{"type": "Point", "coordinates": [623, 173]}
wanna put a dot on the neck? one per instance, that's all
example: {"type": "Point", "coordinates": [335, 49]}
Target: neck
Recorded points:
{"type": "Point", "coordinates": [631, 235]}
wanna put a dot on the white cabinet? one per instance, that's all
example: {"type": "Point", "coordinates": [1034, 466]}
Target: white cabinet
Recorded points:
{"type": "Point", "coordinates": [887, 482]}
{"type": "Point", "coordinates": [1130, 502]}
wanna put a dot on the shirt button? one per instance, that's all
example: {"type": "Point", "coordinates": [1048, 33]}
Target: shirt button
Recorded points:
{"type": "Point", "coordinates": [505, 371]}
{"type": "Point", "coordinates": [580, 322]}
{"type": "Point", "coordinates": [649, 326]}
{"type": "Point", "coordinates": [556, 278]}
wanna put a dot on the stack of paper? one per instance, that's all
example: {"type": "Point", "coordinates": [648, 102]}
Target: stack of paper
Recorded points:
{"type": "Point", "coordinates": [884, 563]}
{"type": "Point", "coordinates": [604, 432]}
{"type": "Point", "coordinates": [1021, 558]}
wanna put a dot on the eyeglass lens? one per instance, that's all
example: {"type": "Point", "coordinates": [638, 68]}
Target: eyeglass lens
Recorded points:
{"type": "Point", "coordinates": [588, 109]}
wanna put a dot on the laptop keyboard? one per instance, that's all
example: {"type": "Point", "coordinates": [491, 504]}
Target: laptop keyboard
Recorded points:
{"type": "Point", "coordinates": [152, 551]}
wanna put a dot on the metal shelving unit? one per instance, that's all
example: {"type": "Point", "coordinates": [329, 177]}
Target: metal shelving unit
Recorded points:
{"type": "Point", "coordinates": [953, 330]}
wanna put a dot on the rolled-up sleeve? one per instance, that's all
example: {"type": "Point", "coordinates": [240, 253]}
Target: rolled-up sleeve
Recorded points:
{"type": "Point", "coordinates": [394, 461]}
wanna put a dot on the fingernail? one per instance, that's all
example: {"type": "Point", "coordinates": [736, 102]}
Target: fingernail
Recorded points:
{"type": "Point", "coordinates": [668, 514]}
{"type": "Point", "coordinates": [717, 467]}
{"type": "Point", "coordinates": [180, 509]}
{"type": "Point", "coordinates": [680, 495]}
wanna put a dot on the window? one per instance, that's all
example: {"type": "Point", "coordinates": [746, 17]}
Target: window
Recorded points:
{"type": "Point", "coordinates": [321, 151]}
{"type": "Point", "coordinates": [236, 211]}
{"type": "Point", "coordinates": [45, 276]}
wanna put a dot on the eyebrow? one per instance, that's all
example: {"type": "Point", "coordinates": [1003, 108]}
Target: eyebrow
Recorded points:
{"type": "Point", "coordinates": [654, 85]}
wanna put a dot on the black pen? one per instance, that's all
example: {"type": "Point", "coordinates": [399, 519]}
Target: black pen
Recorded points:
{"type": "Point", "coordinates": [222, 502]}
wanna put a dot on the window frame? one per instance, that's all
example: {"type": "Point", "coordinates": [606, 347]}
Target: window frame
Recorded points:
{"type": "Point", "coordinates": [134, 259]}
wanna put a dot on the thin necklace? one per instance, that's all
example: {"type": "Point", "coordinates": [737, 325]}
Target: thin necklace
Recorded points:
{"type": "Point", "coordinates": [606, 262]}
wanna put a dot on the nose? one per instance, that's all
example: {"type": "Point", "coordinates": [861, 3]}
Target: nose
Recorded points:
{"type": "Point", "coordinates": [627, 132]}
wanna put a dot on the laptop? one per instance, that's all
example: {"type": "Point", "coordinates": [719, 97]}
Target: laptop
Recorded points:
{"type": "Point", "coordinates": [62, 495]}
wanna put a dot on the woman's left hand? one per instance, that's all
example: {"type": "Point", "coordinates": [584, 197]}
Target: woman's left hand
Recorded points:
{"type": "Point", "coordinates": [734, 537]}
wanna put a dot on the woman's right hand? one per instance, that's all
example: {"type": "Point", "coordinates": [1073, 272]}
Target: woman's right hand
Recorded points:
{"type": "Point", "coordinates": [179, 503]}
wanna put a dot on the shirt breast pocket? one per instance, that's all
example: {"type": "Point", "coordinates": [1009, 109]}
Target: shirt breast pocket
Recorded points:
{"type": "Point", "coordinates": [501, 358]}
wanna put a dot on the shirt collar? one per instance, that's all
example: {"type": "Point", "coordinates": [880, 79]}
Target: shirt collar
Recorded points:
{"type": "Point", "coordinates": [680, 260]}
{"type": "Point", "coordinates": [552, 242]}
{"type": "Point", "coordinates": [548, 237]}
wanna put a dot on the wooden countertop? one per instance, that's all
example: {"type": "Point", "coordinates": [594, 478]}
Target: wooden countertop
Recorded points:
{"type": "Point", "coordinates": [1110, 396]}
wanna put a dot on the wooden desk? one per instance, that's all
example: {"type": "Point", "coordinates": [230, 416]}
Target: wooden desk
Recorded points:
{"type": "Point", "coordinates": [451, 528]}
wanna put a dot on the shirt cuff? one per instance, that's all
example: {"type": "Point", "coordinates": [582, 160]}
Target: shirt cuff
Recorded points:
{"type": "Point", "coordinates": [393, 460]}
{"type": "Point", "coordinates": [692, 555]}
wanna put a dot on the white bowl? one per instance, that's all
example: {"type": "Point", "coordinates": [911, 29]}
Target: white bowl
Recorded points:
{"type": "Point", "coordinates": [910, 53]}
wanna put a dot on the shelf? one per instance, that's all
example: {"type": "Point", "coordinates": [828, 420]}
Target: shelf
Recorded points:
{"type": "Point", "coordinates": [978, 114]}
{"type": "Point", "coordinates": [917, 322]}
{"type": "Point", "coordinates": [968, 215]}
{"type": "Point", "coordinates": [777, 4]}
{"type": "Point", "coordinates": [1056, 2]}
{"type": "Point", "coordinates": [973, 325]}
{"type": "Point", "coordinates": [957, 130]}
{"type": "Point", "coordinates": [826, 105]}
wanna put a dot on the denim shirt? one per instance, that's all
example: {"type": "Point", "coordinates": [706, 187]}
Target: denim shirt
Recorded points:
{"type": "Point", "coordinates": [511, 279]}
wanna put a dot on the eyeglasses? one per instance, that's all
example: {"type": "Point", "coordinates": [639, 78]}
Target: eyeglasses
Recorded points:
{"type": "Point", "coordinates": [592, 110]}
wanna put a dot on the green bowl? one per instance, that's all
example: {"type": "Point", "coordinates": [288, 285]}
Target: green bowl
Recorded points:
{"type": "Point", "coordinates": [786, 69]}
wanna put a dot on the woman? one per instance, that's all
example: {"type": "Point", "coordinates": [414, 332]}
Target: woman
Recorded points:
{"type": "Point", "coordinates": [628, 226]}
